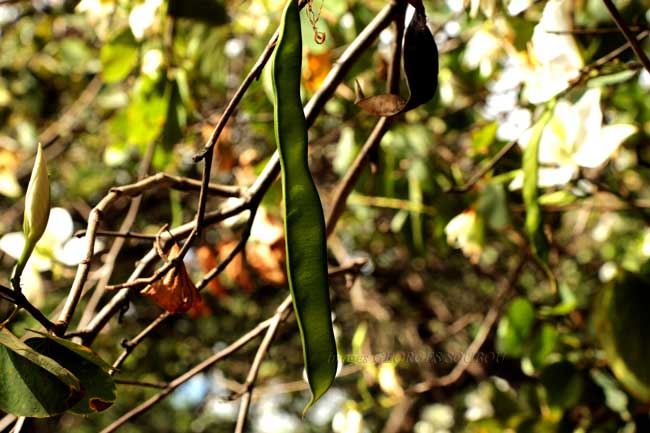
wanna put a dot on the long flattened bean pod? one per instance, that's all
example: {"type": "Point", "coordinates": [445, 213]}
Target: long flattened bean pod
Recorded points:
{"type": "Point", "coordinates": [303, 215]}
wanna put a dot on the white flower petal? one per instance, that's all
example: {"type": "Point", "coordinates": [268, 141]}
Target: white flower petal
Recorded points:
{"type": "Point", "coordinates": [74, 251]}
{"type": "Point", "coordinates": [547, 177]}
{"type": "Point", "coordinates": [602, 145]}
{"type": "Point", "coordinates": [13, 244]}
{"type": "Point", "coordinates": [59, 227]}
{"type": "Point", "coordinates": [556, 56]}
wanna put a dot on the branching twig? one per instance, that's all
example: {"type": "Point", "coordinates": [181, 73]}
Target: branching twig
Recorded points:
{"type": "Point", "coordinates": [21, 301]}
{"type": "Point", "coordinates": [234, 347]}
{"type": "Point", "coordinates": [281, 313]}
{"type": "Point", "coordinates": [618, 19]}
{"type": "Point", "coordinates": [486, 326]}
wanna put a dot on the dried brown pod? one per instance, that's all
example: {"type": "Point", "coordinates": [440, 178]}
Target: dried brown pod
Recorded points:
{"type": "Point", "coordinates": [175, 291]}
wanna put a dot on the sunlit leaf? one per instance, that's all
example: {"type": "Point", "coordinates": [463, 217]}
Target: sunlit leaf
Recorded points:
{"type": "Point", "coordinates": [119, 56]}
{"type": "Point", "coordinates": [515, 327]}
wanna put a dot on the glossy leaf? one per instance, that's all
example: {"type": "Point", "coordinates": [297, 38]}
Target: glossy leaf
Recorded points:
{"type": "Point", "coordinates": [32, 384]}
{"type": "Point", "coordinates": [303, 215]}
{"type": "Point", "coordinates": [621, 323]}
{"type": "Point", "coordinates": [90, 369]}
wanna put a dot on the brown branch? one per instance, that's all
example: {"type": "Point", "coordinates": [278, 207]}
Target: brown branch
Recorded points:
{"type": "Point", "coordinates": [21, 301]}
{"type": "Point", "coordinates": [618, 19]}
{"type": "Point", "coordinates": [478, 175]}
{"type": "Point", "coordinates": [116, 247]}
{"type": "Point", "coordinates": [117, 234]}
{"type": "Point", "coordinates": [145, 384]}
{"type": "Point", "coordinates": [280, 315]}
{"type": "Point", "coordinates": [232, 348]}
{"type": "Point", "coordinates": [272, 168]}
{"type": "Point", "coordinates": [484, 330]}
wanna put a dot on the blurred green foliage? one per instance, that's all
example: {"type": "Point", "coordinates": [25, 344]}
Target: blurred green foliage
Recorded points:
{"type": "Point", "coordinates": [101, 83]}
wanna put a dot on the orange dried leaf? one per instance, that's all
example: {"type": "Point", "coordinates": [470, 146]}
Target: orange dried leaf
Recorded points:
{"type": "Point", "coordinates": [318, 66]}
{"type": "Point", "coordinates": [175, 291]}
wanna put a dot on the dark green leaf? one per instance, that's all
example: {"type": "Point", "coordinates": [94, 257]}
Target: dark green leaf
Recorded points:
{"type": "Point", "coordinates": [563, 384]}
{"type": "Point", "coordinates": [32, 384]}
{"type": "Point", "coordinates": [91, 370]}
{"type": "Point", "coordinates": [208, 11]}
{"type": "Point", "coordinates": [621, 321]}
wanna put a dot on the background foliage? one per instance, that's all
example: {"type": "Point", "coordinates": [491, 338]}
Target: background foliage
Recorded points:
{"type": "Point", "coordinates": [106, 85]}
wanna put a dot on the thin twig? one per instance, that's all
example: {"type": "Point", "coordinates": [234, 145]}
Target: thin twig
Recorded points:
{"type": "Point", "coordinates": [117, 234]}
{"type": "Point", "coordinates": [116, 247]}
{"type": "Point", "coordinates": [478, 175]}
{"type": "Point", "coordinates": [20, 422]}
{"type": "Point", "coordinates": [272, 168]}
{"type": "Point", "coordinates": [484, 330]}
{"type": "Point", "coordinates": [7, 421]}
{"type": "Point", "coordinates": [618, 19]}
{"type": "Point", "coordinates": [279, 317]}
{"type": "Point", "coordinates": [234, 347]}
{"type": "Point", "coordinates": [21, 301]}
{"type": "Point", "coordinates": [145, 384]}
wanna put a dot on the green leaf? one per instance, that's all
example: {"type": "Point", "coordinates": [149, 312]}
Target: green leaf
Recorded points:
{"type": "Point", "coordinates": [493, 206]}
{"type": "Point", "coordinates": [514, 327]}
{"type": "Point", "coordinates": [91, 370]}
{"type": "Point", "coordinates": [483, 137]}
{"type": "Point", "coordinates": [119, 56]}
{"type": "Point", "coordinates": [563, 384]}
{"type": "Point", "coordinates": [31, 384]}
{"type": "Point", "coordinates": [615, 398]}
{"type": "Point", "coordinates": [543, 345]}
{"type": "Point", "coordinates": [172, 132]}
{"type": "Point", "coordinates": [621, 322]}
{"type": "Point", "coordinates": [304, 223]}
{"type": "Point", "coordinates": [533, 212]}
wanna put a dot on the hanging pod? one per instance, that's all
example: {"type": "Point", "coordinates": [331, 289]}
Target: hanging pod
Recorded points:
{"type": "Point", "coordinates": [304, 223]}
{"type": "Point", "coordinates": [420, 57]}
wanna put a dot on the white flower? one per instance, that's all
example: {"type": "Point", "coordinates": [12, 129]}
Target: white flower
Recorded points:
{"type": "Point", "coordinates": [482, 51]}
{"type": "Point", "coordinates": [461, 233]}
{"type": "Point", "coordinates": [555, 57]}
{"type": "Point", "coordinates": [645, 244]}
{"type": "Point", "coordinates": [151, 62]}
{"type": "Point", "coordinates": [348, 420]}
{"type": "Point", "coordinates": [143, 17]}
{"type": "Point", "coordinates": [55, 244]}
{"type": "Point", "coordinates": [607, 272]}
{"type": "Point", "coordinates": [389, 381]}
{"type": "Point", "coordinates": [515, 7]}
{"type": "Point", "coordinates": [575, 137]}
